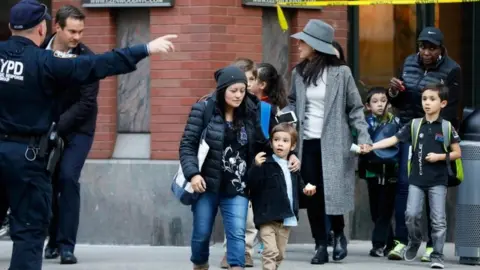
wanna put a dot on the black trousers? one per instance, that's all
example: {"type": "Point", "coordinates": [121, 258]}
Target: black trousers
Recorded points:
{"type": "Point", "coordinates": [3, 203]}
{"type": "Point", "coordinates": [66, 193]}
{"type": "Point", "coordinates": [29, 194]}
{"type": "Point", "coordinates": [382, 203]}
{"type": "Point", "coordinates": [312, 173]}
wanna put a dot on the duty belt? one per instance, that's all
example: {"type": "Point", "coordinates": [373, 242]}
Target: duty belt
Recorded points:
{"type": "Point", "coordinates": [20, 138]}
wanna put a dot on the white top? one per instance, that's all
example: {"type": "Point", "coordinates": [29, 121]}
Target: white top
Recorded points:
{"type": "Point", "coordinates": [50, 44]}
{"type": "Point", "coordinates": [315, 108]}
{"type": "Point", "coordinates": [290, 221]}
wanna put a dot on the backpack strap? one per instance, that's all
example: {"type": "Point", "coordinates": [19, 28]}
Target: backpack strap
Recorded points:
{"type": "Point", "coordinates": [447, 131]}
{"type": "Point", "coordinates": [265, 111]}
{"type": "Point", "coordinates": [208, 113]}
{"type": "Point", "coordinates": [415, 130]}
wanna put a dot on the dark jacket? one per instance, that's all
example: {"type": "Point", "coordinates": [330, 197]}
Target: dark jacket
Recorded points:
{"type": "Point", "coordinates": [78, 105]}
{"type": "Point", "coordinates": [268, 192]}
{"type": "Point", "coordinates": [211, 171]}
{"type": "Point", "coordinates": [415, 77]}
{"type": "Point", "coordinates": [370, 166]}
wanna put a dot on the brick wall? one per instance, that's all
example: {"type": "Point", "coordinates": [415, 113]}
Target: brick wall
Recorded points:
{"type": "Point", "coordinates": [212, 33]}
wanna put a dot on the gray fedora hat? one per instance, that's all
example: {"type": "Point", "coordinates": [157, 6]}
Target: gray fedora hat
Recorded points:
{"type": "Point", "coordinates": [318, 35]}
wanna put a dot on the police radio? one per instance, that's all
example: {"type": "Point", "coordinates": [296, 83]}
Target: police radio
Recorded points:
{"type": "Point", "coordinates": [52, 145]}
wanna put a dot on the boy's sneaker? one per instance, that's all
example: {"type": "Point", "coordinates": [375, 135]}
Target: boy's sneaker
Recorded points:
{"type": "Point", "coordinates": [411, 251]}
{"type": "Point", "coordinates": [426, 255]}
{"type": "Point", "coordinates": [398, 252]}
{"type": "Point", "coordinates": [436, 262]}
{"type": "Point", "coordinates": [376, 252]}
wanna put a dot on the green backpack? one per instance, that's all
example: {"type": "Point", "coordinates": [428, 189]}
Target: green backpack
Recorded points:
{"type": "Point", "coordinates": [455, 168]}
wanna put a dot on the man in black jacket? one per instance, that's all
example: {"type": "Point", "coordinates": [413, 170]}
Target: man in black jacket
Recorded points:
{"type": "Point", "coordinates": [78, 118]}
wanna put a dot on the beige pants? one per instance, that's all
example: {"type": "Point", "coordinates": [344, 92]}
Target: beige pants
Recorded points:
{"type": "Point", "coordinates": [274, 237]}
{"type": "Point", "coordinates": [250, 233]}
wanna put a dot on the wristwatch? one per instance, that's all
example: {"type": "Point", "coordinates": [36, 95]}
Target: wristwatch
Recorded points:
{"type": "Point", "coordinates": [390, 93]}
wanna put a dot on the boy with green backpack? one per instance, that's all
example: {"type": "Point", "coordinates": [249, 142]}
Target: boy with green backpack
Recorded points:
{"type": "Point", "coordinates": [433, 166]}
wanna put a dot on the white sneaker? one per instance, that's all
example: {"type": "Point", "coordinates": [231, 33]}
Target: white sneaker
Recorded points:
{"type": "Point", "coordinates": [437, 262]}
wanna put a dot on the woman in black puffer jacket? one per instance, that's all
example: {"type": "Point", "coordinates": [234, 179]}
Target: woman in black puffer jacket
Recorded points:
{"type": "Point", "coordinates": [230, 133]}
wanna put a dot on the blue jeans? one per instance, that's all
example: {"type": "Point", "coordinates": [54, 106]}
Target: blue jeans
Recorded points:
{"type": "Point", "coordinates": [234, 213]}
{"type": "Point", "coordinates": [437, 198]}
{"type": "Point", "coordinates": [401, 232]}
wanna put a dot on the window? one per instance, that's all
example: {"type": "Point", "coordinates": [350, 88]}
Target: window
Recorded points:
{"type": "Point", "coordinates": [387, 36]}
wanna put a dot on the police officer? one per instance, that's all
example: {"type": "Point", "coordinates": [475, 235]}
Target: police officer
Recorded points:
{"type": "Point", "coordinates": [29, 80]}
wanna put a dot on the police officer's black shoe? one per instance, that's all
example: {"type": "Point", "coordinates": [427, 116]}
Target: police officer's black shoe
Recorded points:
{"type": "Point", "coordinates": [51, 253]}
{"type": "Point", "coordinates": [67, 257]}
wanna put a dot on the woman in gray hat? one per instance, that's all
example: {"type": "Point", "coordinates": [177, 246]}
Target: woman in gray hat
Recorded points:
{"type": "Point", "coordinates": [329, 107]}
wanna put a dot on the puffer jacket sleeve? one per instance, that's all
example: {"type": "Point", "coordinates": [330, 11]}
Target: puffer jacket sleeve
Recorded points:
{"type": "Point", "coordinates": [191, 140]}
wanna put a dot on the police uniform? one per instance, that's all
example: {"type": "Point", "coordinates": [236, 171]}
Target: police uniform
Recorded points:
{"type": "Point", "coordinates": [29, 80]}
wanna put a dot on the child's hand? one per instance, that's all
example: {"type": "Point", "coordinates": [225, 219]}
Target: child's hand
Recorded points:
{"type": "Point", "coordinates": [310, 190]}
{"type": "Point", "coordinates": [260, 158]}
{"type": "Point", "coordinates": [433, 157]}
{"type": "Point", "coordinates": [365, 148]}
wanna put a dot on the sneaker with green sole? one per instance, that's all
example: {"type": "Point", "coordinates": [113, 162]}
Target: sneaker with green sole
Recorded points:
{"type": "Point", "coordinates": [426, 255]}
{"type": "Point", "coordinates": [398, 252]}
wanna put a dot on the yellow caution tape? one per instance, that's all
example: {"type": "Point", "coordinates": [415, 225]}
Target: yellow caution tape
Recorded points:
{"type": "Point", "coordinates": [281, 19]}
{"type": "Point", "coordinates": [284, 25]}
{"type": "Point", "coordinates": [367, 2]}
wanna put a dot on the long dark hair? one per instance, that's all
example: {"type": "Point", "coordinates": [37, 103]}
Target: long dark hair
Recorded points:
{"type": "Point", "coordinates": [239, 113]}
{"type": "Point", "coordinates": [311, 70]}
{"type": "Point", "coordinates": [275, 89]}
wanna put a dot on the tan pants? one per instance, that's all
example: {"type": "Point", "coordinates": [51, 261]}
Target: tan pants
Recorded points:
{"type": "Point", "coordinates": [274, 237]}
{"type": "Point", "coordinates": [250, 233]}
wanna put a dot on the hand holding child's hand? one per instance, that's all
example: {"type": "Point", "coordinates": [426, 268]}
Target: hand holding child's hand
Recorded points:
{"type": "Point", "coordinates": [260, 158]}
{"type": "Point", "coordinates": [432, 157]}
{"type": "Point", "coordinates": [310, 190]}
{"type": "Point", "coordinates": [365, 148]}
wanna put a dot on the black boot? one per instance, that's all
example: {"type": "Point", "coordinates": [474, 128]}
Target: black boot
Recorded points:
{"type": "Point", "coordinates": [67, 257]}
{"type": "Point", "coordinates": [51, 253]}
{"type": "Point", "coordinates": [321, 255]}
{"type": "Point", "coordinates": [339, 247]}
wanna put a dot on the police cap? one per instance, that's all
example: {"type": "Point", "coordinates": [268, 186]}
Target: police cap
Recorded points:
{"type": "Point", "coordinates": [27, 14]}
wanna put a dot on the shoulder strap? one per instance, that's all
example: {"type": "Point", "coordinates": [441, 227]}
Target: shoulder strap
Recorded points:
{"type": "Point", "coordinates": [265, 111]}
{"type": "Point", "coordinates": [446, 132]}
{"type": "Point", "coordinates": [416, 124]}
{"type": "Point", "coordinates": [207, 114]}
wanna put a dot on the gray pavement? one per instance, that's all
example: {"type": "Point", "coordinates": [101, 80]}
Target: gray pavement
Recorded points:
{"type": "Point", "coordinates": [94, 257]}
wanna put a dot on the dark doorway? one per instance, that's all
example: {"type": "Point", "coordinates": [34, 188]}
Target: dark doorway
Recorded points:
{"type": "Point", "coordinates": [5, 6]}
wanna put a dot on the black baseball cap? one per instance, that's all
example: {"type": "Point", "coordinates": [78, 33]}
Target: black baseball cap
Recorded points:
{"type": "Point", "coordinates": [27, 14]}
{"type": "Point", "coordinates": [432, 35]}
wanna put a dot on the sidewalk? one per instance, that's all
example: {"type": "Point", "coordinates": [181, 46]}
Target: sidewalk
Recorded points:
{"type": "Point", "coordinates": [177, 258]}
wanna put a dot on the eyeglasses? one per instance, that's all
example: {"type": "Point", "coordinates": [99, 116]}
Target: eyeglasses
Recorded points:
{"type": "Point", "coordinates": [427, 46]}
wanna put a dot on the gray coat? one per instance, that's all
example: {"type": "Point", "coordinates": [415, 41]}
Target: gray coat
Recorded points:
{"type": "Point", "coordinates": [343, 114]}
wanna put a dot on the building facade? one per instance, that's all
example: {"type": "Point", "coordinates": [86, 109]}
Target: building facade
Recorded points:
{"type": "Point", "coordinates": [126, 196]}
{"type": "Point", "coordinates": [152, 108]}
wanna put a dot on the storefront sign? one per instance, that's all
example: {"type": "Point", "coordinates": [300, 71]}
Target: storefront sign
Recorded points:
{"type": "Point", "coordinates": [272, 3]}
{"type": "Point", "coordinates": [127, 3]}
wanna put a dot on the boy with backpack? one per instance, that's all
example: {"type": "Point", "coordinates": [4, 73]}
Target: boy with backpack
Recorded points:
{"type": "Point", "coordinates": [380, 170]}
{"type": "Point", "coordinates": [434, 165]}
